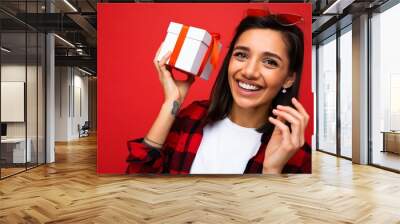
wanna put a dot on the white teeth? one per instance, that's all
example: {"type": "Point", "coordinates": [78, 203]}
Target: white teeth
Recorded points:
{"type": "Point", "coordinates": [248, 86]}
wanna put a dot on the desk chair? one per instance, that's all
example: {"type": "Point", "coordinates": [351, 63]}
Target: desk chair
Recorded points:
{"type": "Point", "coordinates": [84, 130]}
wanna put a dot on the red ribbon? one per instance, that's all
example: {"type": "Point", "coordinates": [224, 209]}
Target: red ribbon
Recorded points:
{"type": "Point", "coordinates": [212, 51]}
{"type": "Point", "coordinates": [178, 45]}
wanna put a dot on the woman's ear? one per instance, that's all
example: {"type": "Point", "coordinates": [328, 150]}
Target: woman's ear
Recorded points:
{"type": "Point", "coordinates": [289, 80]}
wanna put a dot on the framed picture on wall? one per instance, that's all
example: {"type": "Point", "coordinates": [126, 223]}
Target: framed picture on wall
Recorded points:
{"type": "Point", "coordinates": [12, 101]}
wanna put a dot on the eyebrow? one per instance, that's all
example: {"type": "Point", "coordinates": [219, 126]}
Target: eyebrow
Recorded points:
{"type": "Point", "coordinates": [264, 53]}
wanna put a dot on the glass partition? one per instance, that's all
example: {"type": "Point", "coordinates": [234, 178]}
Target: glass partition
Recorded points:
{"type": "Point", "coordinates": [22, 88]}
{"type": "Point", "coordinates": [14, 153]}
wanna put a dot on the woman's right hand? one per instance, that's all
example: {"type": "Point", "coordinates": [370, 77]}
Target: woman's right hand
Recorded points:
{"type": "Point", "coordinates": [174, 90]}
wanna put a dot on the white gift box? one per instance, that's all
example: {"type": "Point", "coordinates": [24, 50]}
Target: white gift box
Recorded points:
{"type": "Point", "coordinates": [190, 47]}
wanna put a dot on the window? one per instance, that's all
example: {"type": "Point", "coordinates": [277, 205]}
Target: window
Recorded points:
{"type": "Point", "coordinates": [345, 92]}
{"type": "Point", "coordinates": [385, 89]}
{"type": "Point", "coordinates": [327, 96]}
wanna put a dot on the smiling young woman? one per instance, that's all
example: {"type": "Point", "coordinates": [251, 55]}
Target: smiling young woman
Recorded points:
{"type": "Point", "coordinates": [252, 122]}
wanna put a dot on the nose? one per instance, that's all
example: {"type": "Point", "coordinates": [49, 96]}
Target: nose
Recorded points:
{"type": "Point", "coordinates": [250, 69]}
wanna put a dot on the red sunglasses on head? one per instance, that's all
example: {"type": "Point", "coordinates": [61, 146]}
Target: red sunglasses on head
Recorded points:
{"type": "Point", "coordinates": [282, 19]}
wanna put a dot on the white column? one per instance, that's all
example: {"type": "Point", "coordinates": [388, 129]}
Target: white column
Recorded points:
{"type": "Point", "coordinates": [360, 90]}
{"type": "Point", "coordinates": [50, 100]}
{"type": "Point", "coordinates": [50, 92]}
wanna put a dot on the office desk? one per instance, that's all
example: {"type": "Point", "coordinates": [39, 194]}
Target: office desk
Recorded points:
{"type": "Point", "coordinates": [391, 141]}
{"type": "Point", "coordinates": [13, 150]}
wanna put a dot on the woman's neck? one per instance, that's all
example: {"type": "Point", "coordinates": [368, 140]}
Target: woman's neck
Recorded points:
{"type": "Point", "coordinates": [249, 118]}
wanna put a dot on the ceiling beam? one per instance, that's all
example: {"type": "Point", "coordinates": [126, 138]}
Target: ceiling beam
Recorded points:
{"type": "Point", "coordinates": [83, 61]}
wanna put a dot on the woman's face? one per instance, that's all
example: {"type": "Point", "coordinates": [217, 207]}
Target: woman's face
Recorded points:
{"type": "Point", "coordinates": [258, 68]}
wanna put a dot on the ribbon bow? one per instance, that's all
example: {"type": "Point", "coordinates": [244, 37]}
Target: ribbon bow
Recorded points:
{"type": "Point", "coordinates": [212, 53]}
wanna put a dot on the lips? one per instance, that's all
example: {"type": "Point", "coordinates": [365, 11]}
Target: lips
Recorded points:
{"type": "Point", "coordinates": [248, 86]}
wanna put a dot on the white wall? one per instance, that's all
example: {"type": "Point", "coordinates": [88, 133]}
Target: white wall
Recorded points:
{"type": "Point", "coordinates": [62, 78]}
{"type": "Point", "coordinates": [33, 127]}
{"type": "Point", "coordinates": [79, 117]}
{"type": "Point", "coordinates": [70, 94]}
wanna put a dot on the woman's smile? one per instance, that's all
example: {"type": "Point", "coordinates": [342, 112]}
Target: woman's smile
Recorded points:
{"type": "Point", "coordinates": [248, 88]}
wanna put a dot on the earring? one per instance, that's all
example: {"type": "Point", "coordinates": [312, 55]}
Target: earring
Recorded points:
{"type": "Point", "coordinates": [284, 90]}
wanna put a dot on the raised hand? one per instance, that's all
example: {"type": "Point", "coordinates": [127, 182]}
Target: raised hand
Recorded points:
{"type": "Point", "coordinates": [285, 142]}
{"type": "Point", "coordinates": [174, 90]}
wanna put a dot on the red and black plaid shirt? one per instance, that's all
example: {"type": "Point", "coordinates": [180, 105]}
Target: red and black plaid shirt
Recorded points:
{"type": "Point", "coordinates": [183, 141]}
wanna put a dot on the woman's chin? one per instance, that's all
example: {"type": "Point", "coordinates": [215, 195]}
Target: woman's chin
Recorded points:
{"type": "Point", "coordinates": [246, 103]}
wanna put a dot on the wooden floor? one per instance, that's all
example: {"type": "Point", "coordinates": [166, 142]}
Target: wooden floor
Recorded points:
{"type": "Point", "coordinates": [5, 172]}
{"type": "Point", "coordinates": [70, 191]}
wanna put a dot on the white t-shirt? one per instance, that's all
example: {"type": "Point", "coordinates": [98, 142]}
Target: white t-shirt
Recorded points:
{"type": "Point", "coordinates": [225, 148]}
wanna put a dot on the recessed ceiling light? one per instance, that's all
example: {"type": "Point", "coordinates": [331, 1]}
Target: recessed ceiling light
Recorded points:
{"type": "Point", "coordinates": [84, 71]}
{"type": "Point", "coordinates": [337, 7]}
{"type": "Point", "coordinates": [5, 50]}
{"type": "Point", "coordinates": [64, 40]}
{"type": "Point", "coordinates": [70, 5]}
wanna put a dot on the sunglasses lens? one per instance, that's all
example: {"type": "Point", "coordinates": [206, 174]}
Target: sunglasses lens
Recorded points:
{"type": "Point", "coordinates": [283, 19]}
{"type": "Point", "coordinates": [288, 19]}
{"type": "Point", "coordinates": [257, 12]}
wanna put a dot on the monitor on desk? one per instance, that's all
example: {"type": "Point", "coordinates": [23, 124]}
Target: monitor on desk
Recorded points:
{"type": "Point", "coordinates": [3, 130]}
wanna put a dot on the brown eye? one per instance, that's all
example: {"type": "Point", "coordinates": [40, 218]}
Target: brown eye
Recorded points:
{"type": "Point", "coordinates": [270, 63]}
{"type": "Point", "coordinates": [240, 55]}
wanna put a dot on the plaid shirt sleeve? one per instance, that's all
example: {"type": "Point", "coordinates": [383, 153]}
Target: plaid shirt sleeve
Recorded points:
{"type": "Point", "coordinates": [144, 158]}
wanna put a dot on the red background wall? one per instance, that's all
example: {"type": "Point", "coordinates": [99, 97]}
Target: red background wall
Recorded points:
{"type": "Point", "coordinates": [129, 92]}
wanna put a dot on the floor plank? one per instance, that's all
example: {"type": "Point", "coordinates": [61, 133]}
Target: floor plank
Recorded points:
{"type": "Point", "coordinates": [70, 191]}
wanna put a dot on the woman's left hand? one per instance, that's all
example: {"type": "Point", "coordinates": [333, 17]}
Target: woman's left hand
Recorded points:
{"type": "Point", "coordinates": [285, 142]}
